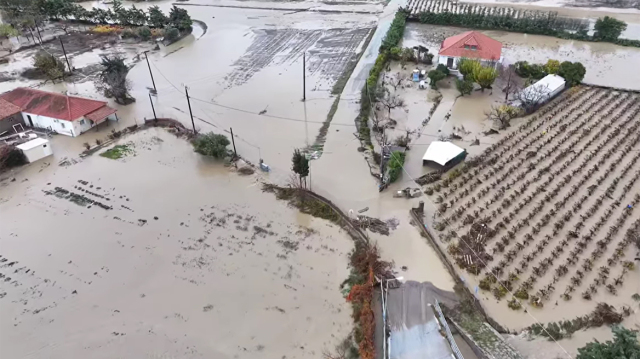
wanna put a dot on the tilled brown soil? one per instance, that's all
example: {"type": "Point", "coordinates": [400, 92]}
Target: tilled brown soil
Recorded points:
{"type": "Point", "coordinates": [329, 51]}
{"type": "Point", "coordinates": [552, 205]}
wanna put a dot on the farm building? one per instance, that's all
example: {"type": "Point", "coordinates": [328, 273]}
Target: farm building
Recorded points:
{"type": "Point", "coordinates": [35, 149]}
{"type": "Point", "coordinates": [444, 154]}
{"type": "Point", "coordinates": [67, 115]}
{"type": "Point", "coordinates": [10, 117]}
{"type": "Point", "coordinates": [540, 92]}
{"type": "Point", "coordinates": [472, 45]}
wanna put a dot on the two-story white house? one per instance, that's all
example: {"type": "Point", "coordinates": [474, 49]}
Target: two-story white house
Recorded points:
{"type": "Point", "coordinates": [472, 45]}
{"type": "Point", "coordinates": [67, 115]}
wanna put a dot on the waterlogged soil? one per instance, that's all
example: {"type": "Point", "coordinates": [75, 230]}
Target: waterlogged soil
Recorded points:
{"type": "Point", "coordinates": [182, 252]}
{"type": "Point", "coordinates": [606, 64]}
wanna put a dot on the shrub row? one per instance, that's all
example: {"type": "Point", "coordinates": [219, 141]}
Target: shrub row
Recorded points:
{"type": "Point", "coordinates": [534, 25]}
{"type": "Point", "coordinates": [391, 39]}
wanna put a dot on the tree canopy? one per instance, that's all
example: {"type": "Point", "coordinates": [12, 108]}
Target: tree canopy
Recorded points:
{"type": "Point", "coordinates": [467, 67]}
{"type": "Point", "coordinates": [435, 76]}
{"type": "Point", "coordinates": [484, 76]}
{"type": "Point", "coordinates": [608, 28]}
{"type": "Point", "coordinates": [300, 165]}
{"type": "Point", "coordinates": [572, 72]}
{"type": "Point", "coordinates": [50, 66]}
{"type": "Point", "coordinates": [113, 79]}
{"type": "Point", "coordinates": [180, 19]}
{"type": "Point", "coordinates": [624, 345]}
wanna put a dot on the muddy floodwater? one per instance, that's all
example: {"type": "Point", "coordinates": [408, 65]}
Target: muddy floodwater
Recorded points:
{"type": "Point", "coordinates": [190, 261]}
{"type": "Point", "coordinates": [606, 64]}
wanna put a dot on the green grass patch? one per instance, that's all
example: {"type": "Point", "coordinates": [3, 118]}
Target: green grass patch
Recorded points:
{"type": "Point", "coordinates": [117, 152]}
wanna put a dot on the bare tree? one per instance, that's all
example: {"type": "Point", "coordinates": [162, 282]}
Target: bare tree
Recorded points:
{"type": "Point", "coordinates": [502, 115]}
{"type": "Point", "coordinates": [389, 100]}
{"type": "Point", "coordinates": [508, 74]}
{"type": "Point", "coordinates": [531, 97]}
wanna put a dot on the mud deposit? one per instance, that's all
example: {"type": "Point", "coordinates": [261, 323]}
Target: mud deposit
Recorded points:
{"type": "Point", "coordinates": [328, 52]}
{"type": "Point", "coordinates": [189, 261]}
{"type": "Point", "coordinates": [606, 64]}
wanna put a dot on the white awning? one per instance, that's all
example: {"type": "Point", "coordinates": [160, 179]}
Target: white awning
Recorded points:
{"type": "Point", "coordinates": [441, 152]}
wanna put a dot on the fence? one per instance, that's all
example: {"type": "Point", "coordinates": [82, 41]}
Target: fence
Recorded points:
{"type": "Point", "coordinates": [452, 341]}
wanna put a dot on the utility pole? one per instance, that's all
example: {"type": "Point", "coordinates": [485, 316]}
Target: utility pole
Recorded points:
{"type": "Point", "coordinates": [65, 54]}
{"type": "Point", "coordinates": [234, 143]}
{"type": "Point", "coordinates": [39, 35]}
{"type": "Point", "coordinates": [153, 108]}
{"type": "Point", "coordinates": [150, 73]}
{"type": "Point", "coordinates": [186, 91]}
{"type": "Point", "coordinates": [304, 80]}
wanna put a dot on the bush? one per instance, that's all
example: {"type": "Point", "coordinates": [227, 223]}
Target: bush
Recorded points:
{"type": "Point", "coordinates": [144, 32]}
{"type": "Point", "coordinates": [464, 86]}
{"type": "Point", "coordinates": [443, 68]}
{"type": "Point", "coordinates": [128, 34]}
{"type": "Point", "coordinates": [395, 165]}
{"type": "Point", "coordinates": [395, 53]}
{"type": "Point", "coordinates": [171, 34]}
{"type": "Point", "coordinates": [211, 144]}
{"type": "Point", "coordinates": [435, 76]}
{"type": "Point", "coordinates": [50, 66]}
{"type": "Point", "coordinates": [11, 157]}
{"type": "Point", "coordinates": [572, 72]}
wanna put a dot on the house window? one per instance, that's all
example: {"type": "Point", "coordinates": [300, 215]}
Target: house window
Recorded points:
{"type": "Point", "coordinates": [466, 47]}
{"type": "Point", "coordinates": [474, 47]}
{"type": "Point", "coordinates": [82, 122]}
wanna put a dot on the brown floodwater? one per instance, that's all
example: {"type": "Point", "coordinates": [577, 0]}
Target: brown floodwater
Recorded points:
{"type": "Point", "coordinates": [191, 261]}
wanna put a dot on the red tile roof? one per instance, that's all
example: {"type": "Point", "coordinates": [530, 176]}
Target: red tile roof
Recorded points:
{"type": "Point", "coordinates": [50, 104]}
{"type": "Point", "coordinates": [487, 48]}
{"type": "Point", "coordinates": [7, 109]}
{"type": "Point", "coordinates": [100, 114]}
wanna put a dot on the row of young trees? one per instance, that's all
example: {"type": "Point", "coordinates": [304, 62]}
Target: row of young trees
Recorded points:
{"type": "Point", "coordinates": [475, 16]}
{"type": "Point", "coordinates": [30, 13]}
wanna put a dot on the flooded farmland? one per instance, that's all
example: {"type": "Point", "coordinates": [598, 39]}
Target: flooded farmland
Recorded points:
{"type": "Point", "coordinates": [190, 261]}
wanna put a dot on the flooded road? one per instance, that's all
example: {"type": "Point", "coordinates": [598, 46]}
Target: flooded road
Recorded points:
{"type": "Point", "coordinates": [191, 261]}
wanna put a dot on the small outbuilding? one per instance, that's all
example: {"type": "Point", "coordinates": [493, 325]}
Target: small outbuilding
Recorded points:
{"type": "Point", "coordinates": [36, 149]}
{"type": "Point", "coordinates": [444, 154]}
{"type": "Point", "coordinates": [541, 92]}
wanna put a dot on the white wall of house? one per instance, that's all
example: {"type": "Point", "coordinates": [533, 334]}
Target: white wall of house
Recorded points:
{"type": "Point", "coordinates": [60, 126]}
{"type": "Point", "coordinates": [69, 128]}
{"type": "Point", "coordinates": [82, 125]}
{"type": "Point", "coordinates": [444, 60]}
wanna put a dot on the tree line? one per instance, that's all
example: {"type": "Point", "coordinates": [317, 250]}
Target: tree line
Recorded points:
{"type": "Point", "coordinates": [607, 29]}
{"type": "Point", "coordinates": [30, 13]}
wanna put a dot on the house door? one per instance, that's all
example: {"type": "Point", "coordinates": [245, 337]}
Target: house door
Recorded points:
{"type": "Point", "coordinates": [30, 120]}
{"type": "Point", "coordinates": [450, 62]}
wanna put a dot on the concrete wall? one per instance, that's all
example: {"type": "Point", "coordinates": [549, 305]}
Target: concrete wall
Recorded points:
{"type": "Point", "coordinates": [38, 152]}
{"type": "Point", "coordinates": [69, 128]}
{"type": "Point", "coordinates": [60, 126]}
{"type": "Point", "coordinates": [6, 124]}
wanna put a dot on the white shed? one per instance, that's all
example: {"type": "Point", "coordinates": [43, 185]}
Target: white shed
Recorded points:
{"type": "Point", "coordinates": [543, 90]}
{"type": "Point", "coordinates": [445, 154]}
{"type": "Point", "coordinates": [36, 149]}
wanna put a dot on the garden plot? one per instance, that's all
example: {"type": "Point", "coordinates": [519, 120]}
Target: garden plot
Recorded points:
{"type": "Point", "coordinates": [548, 213]}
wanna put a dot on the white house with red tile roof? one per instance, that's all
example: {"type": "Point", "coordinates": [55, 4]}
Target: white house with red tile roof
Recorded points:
{"type": "Point", "coordinates": [67, 115]}
{"type": "Point", "coordinates": [470, 44]}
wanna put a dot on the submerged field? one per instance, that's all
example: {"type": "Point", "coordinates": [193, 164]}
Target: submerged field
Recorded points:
{"type": "Point", "coordinates": [162, 253]}
{"type": "Point", "coordinates": [549, 213]}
